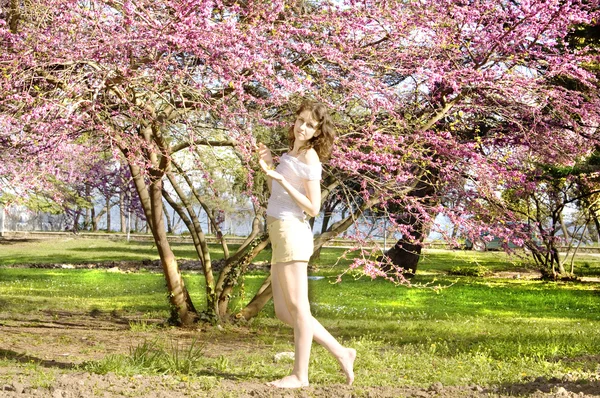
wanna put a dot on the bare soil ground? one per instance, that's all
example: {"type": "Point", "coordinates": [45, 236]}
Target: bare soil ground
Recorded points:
{"type": "Point", "coordinates": [46, 351]}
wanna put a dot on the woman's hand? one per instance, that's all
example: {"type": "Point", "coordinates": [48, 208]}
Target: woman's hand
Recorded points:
{"type": "Point", "coordinates": [266, 163]}
{"type": "Point", "coordinates": [270, 171]}
{"type": "Point", "coordinates": [265, 155]}
{"type": "Point", "coordinates": [275, 175]}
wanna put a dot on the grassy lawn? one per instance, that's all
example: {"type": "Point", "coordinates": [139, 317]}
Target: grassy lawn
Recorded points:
{"type": "Point", "coordinates": [73, 251]}
{"type": "Point", "coordinates": [454, 329]}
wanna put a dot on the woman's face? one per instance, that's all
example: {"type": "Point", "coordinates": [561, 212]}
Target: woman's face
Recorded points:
{"type": "Point", "coordinates": [305, 127]}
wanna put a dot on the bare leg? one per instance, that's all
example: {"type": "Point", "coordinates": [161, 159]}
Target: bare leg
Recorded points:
{"type": "Point", "coordinates": [345, 356]}
{"type": "Point", "coordinates": [293, 285]}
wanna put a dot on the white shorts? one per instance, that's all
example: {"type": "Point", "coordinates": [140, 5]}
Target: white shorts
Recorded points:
{"type": "Point", "coordinates": [291, 240]}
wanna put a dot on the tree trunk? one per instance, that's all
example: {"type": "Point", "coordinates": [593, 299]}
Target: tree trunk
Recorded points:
{"type": "Point", "coordinates": [13, 16]}
{"type": "Point", "coordinates": [96, 219]}
{"type": "Point", "coordinates": [557, 266]}
{"type": "Point", "coordinates": [168, 217]}
{"type": "Point", "coordinates": [93, 221]}
{"type": "Point", "coordinates": [151, 199]}
{"type": "Point", "coordinates": [556, 263]}
{"type": "Point", "coordinates": [178, 294]}
{"type": "Point", "coordinates": [76, 216]}
{"type": "Point", "coordinates": [563, 228]}
{"type": "Point", "coordinates": [597, 224]}
{"type": "Point", "coordinates": [193, 224]}
{"type": "Point", "coordinates": [234, 267]}
{"type": "Point", "coordinates": [107, 214]}
{"type": "Point", "coordinates": [261, 298]}
{"type": "Point", "coordinates": [122, 212]}
{"type": "Point", "coordinates": [327, 213]}
{"type": "Point", "coordinates": [407, 251]}
{"type": "Point", "coordinates": [87, 220]}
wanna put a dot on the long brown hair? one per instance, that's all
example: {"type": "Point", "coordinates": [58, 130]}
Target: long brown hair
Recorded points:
{"type": "Point", "coordinates": [323, 142]}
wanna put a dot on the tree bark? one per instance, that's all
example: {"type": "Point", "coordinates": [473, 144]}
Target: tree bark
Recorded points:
{"type": "Point", "coordinates": [228, 278]}
{"type": "Point", "coordinates": [200, 244]}
{"type": "Point", "coordinates": [597, 225]}
{"type": "Point", "coordinates": [76, 216]}
{"type": "Point", "coordinates": [178, 294]}
{"type": "Point", "coordinates": [93, 221]}
{"type": "Point", "coordinates": [143, 194]}
{"type": "Point", "coordinates": [122, 212]}
{"type": "Point", "coordinates": [261, 298]}
{"type": "Point", "coordinates": [230, 274]}
{"type": "Point", "coordinates": [87, 221]}
{"type": "Point", "coordinates": [13, 16]}
{"type": "Point", "coordinates": [107, 214]}
{"type": "Point", "coordinates": [169, 222]}
{"type": "Point", "coordinates": [151, 199]}
{"type": "Point", "coordinates": [96, 218]}
{"type": "Point", "coordinates": [406, 252]}
{"type": "Point", "coordinates": [563, 228]}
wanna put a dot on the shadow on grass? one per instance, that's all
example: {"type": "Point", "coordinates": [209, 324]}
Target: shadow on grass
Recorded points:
{"type": "Point", "coordinates": [35, 261]}
{"type": "Point", "coordinates": [556, 386]}
{"type": "Point", "coordinates": [121, 250]}
{"type": "Point", "coordinates": [28, 359]}
{"type": "Point", "coordinates": [4, 241]}
{"type": "Point", "coordinates": [150, 251]}
{"type": "Point", "coordinates": [72, 320]}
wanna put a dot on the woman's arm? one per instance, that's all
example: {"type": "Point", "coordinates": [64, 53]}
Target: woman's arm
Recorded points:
{"type": "Point", "coordinates": [309, 203]}
{"type": "Point", "coordinates": [266, 162]}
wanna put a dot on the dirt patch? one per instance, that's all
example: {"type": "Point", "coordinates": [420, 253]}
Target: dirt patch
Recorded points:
{"type": "Point", "coordinates": [134, 266]}
{"type": "Point", "coordinates": [43, 355]}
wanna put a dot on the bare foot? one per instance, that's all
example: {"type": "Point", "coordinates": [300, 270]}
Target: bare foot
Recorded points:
{"type": "Point", "coordinates": [289, 382]}
{"type": "Point", "coordinates": [347, 363]}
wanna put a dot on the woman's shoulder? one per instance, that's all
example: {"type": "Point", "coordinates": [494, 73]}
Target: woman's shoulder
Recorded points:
{"type": "Point", "coordinates": [310, 157]}
{"type": "Point", "coordinates": [306, 165]}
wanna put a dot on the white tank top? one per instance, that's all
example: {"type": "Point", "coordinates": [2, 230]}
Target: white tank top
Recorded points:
{"type": "Point", "coordinates": [281, 205]}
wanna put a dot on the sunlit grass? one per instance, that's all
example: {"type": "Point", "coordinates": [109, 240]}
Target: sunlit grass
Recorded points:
{"type": "Point", "coordinates": [75, 251]}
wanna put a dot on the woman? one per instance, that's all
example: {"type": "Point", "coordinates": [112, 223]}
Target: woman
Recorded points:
{"type": "Point", "coordinates": [296, 191]}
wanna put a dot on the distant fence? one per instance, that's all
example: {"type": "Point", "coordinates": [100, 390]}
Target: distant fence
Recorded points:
{"type": "Point", "coordinates": [342, 243]}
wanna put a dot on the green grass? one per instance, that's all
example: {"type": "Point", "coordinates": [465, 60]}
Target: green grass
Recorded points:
{"type": "Point", "coordinates": [585, 264]}
{"type": "Point", "coordinates": [460, 330]}
{"type": "Point", "coordinates": [152, 357]}
{"type": "Point", "coordinates": [77, 251]}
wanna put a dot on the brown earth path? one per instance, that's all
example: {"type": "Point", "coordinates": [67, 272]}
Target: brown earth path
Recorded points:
{"type": "Point", "coordinates": [44, 353]}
